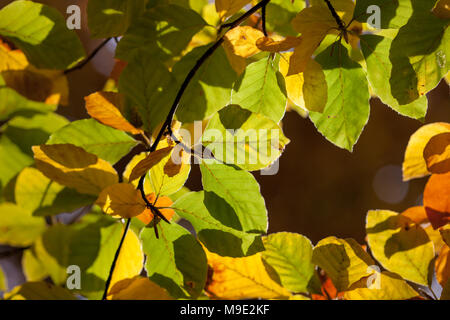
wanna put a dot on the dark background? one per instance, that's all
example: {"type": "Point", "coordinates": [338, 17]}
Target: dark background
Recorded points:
{"type": "Point", "coordinates": [320, 190]}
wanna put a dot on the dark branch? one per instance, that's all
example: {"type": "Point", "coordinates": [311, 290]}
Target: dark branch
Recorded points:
{"type": "Point", "coordinates": [116, 256]}
{"type": "Point", "coordinates": [263, 16]}
{"type": "Point", "coordinates": [336, 17]}
{"type": "Point", "coordinates": [89, 58]}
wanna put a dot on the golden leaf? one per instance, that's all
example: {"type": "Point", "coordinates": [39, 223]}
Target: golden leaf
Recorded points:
{"type": "Point", "coordinates": [442, 265]}
{"type": "Point", "coordinates": [121, 200]}
{"type": "Point", "coordinates": [226, 8]}
{"type": "Point", "coordinates": [137, 288]}
{"type": "Point", "coordinates": [241, 278]}
{"type": "Point", "coordinates": [414, 165]}
{"type": "Point", "coordinates": [105, 107]}
{"type": "Point", "coordinates": [146, 164]}
{"type": "Point", "coordinates": [436, 199]}
{"type": "Point", "coordinates": [437, 153]}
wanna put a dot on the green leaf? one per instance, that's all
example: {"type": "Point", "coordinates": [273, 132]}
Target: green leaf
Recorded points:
{"type": "Point", "coordinates": [163, 32]}
{"type": "Point", "coordinates": [150, 87]}
{"type": "Point", "coordinates": [28, 131]}
{"type": "Point", "coordinates": [105, 142]}
{"type": "Point", "coordinates": [12, 161]}
{"type": "Point", "coordinates": [17, 226]}
{"type": "Point", "coordinates": [290, 254]}
{"type": "Point", "coordinates": [249, 140]}
{"type": "Point", "coordinates": [176, 261]}
{"type": "Point", "coordinates": [41, 33]}
{"type": "Point", "coordinates": [39, 291]}
{"type": "Point", "coordinates": [394, 13]}
{"type": "Point", "coordinates": [240, 190]}
{"type": "Point", "coordinates": [279, 15]}
{"type": "Point", "coordinates": [12, 102]}
{"type": "Point", "coordinates": [347, 109]}
{"type": "Point", "coordinates": [400, 245]}
{"type": "Point", "coordinates": [379, 67]}
{"type": "Point", "coordinates": [217, 224]}
{"type": "Point", "coordinates": [43, 197]}
{"type": "Point", "coordinates": [111, 18]}
{"type": "Point", "coordinates": [261, 89]}
{"type": "Point", "coordinates": [420, 56]}
{"type": "Point", "coordinates": [344, 261]}
{"type": "Point", "coordinates": [209, 90]}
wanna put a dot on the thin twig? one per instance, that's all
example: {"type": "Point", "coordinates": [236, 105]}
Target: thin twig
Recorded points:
{"type": "Point", "coordinates": [89, 58]}
{"type": "Point", "coordinates": [116, 257]}
{"type": "Point", "coordinates": [263, 16]}
{"type": "Point", "coordinates": [336, 17]}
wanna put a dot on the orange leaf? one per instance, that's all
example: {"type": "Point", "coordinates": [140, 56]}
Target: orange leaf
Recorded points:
{"type": "Point", "coordinates": [416, 214]}
{"type": "Point", "coordinates": [147, 216]}
{"type": "Point", "coordinates": [146, 164]}
{"type": "Point", "coordinates": [437, 153]}
{"type": "Point", "coordinates": [436, 199]}
{"type": "Point", "coordinates": [103, 106]}
{"type": "Point", "coordinates": [271, 45]}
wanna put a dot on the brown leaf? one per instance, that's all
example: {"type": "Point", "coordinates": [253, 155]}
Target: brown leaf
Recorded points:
{"type": "Point", "coordinates": [271, 45]}
{"type": "Point", "coordinates": [437, 153]}
{"type": "Point", "coordinates": [146, 164]}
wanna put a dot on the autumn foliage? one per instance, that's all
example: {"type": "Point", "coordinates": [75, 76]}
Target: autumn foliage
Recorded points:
{"type": "Point", "coordinates": [233, 69]}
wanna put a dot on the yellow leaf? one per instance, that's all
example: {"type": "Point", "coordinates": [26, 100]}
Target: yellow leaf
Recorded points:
{"type": "Point", "coordinates": [400, 245]}
{"type": "Point", "coordinates": [414, 165]}
{"type": "Point", "coordinates": [49, 86]}
{"type": "Point", "coordinates": [271, 45]}
{"type": "Point", "coordinates": [307, 90]}
{"type": "Point", "coordinates": [389, 286]}
{"type": "Point", "coordinates": [121, 200]}
{"type": "Point", "coordinates": [242, 41]}
{"type": "Point", "coordinates": [437, 153]}
{"type": "Point", "coordinates": [241, 278]}
{"type": "Point", "coordinates": [314, 23]}
{"type": "Point", "coordinates": [130, 261]}
{"type": "Point", "coordinates": [138, 288]}
{"type": "Point", "coordinates": [74, 167]}
{"type": "Point", "coordinates": [343, 260]}
{"type": "Point", "coordinates": [442, 9]}
{"type": "Point", "coordinates": [105, 107]}
{"type": "Point", "coordinates": [226, 8]}
{"type": "Point", "coordinates": [443, 265]}
{"type": "Point", "coordinates": [130, 166]}
{"type": "Point", "coordinates": [146, 164]}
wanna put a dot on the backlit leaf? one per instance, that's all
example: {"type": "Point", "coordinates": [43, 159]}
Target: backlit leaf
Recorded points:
{"type": "Point", "coordinates": [226, 8]}
{"type": "Point", "coordinates": [217, 225]}
{"type": "Point", "coordinates": [17, 226]}
{"type": "Point", "coordinates": [105, 142]}
{"type": "Point", "coordinates": [437, 153]}
{"type": "Point", "coordinates": [241, 278]}
{"type": "Point", "coordinates": [105, 107]}
{"type": "Point", "coordinates": [271, 45]}
{"type": "Point", "coordinates": [40, 32]}
{"type": "Point", "coordinates": [153, 158]}
{"type": "Point", "coordinates": [443, 265]}
{"type": "Point", "coordinates": [261, 89]}
{"type": "Point", "coordinates": [436, 199]}
{"type": "Point", "coordinates": [43, 197]}
{"type": "Point", "coordinates": [290, 254]}
{"type": "Point", "coordinates": [400, 245]}
{"type": "Point", "coordinates": [241, 41]}
{"type": "Point", "coordinates": [344, 261]}
{"type": "Point", "coordinates": [347, 109]}
{"type": "Point", "coordinates": [171, 263]}
{"type": "Point", "coordinates": [414, 165]}
{"type": "Point", "coordinates": [75, 168]}
{"type": "Point", "coordinates": [391, 287]}
{"type": "Point", "coordinates": [137, 288]}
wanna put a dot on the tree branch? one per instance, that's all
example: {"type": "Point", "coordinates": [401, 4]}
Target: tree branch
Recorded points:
{"type": "Point", "coordinates": [116, 256]}
{"type": "Point", "coordinates": [89, 58]}
{"type": "Point", "coordinates": [336, 17]}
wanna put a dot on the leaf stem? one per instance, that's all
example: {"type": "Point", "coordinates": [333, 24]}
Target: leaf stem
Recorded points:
{"type": "Point", "coordinates": [89, 58]}
{"type": "Point", "coordinates": [116, 257]}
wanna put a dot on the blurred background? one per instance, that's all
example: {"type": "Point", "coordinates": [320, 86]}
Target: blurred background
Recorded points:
{"type": "Point", "coordinates": [320, 190]}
